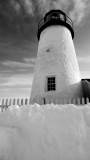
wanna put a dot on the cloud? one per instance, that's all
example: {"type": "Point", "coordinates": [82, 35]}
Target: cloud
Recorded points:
{"type": "Point", "coordinates": [75, 9]}
{"type": "Point", "coordinates": [19, 19]}
{"type": "Point", "coordinates": [17, 80]}
{"type": "Point", "coordinates": [84, 64]}
{"type": "Point", "coordinates": [18, 10]}
{"type": "Point", "coordinates": [30, 60]}
{"type": "Point", "coordinates": [4, 78]}
{"type": "Point", "coordinates": [13, 92]}
{"type": "Point", "coordinates": [14, 64]}
{"type": "Point", "coordinates": [84, 59]}
{"type": "Point", "coordinates": [85, 74]}
{"type": "Point", "coordinates": [23, 6]}
{"type": "Point", "coordinates": [15, 50]}
{"type": "Point", "coordinates": [15, 86]}
{"type": "Point", "coordinates": [15, 5]}
{"type": "Point", "coordinates": [6, 71]}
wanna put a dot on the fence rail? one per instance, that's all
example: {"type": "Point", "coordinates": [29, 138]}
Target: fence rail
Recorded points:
{"type": "Point", "coordinates": [5, 103]}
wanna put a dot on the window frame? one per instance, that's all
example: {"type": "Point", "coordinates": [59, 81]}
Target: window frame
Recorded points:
{"type": "Point", "coordinates": [50, 83]}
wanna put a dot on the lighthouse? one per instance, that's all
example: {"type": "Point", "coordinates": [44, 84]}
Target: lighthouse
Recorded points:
{"type": "Point", "coordinates": [57, 74]}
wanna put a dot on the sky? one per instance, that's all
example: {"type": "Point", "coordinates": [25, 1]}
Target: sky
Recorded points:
{"type": "Point", "coordinates": [18, 40]}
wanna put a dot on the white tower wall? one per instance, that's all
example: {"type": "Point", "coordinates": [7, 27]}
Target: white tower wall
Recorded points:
{"type": "Point", "coordinates": [56, 57]}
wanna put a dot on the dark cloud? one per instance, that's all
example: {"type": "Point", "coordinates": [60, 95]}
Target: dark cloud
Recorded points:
{"type": "Point", "coordinates": [16, 50]}
{"type": "Point", "coordinates": [19, 20]}
{"type": "Point", "coordinates": [20, 17]}
{"type": "Point", "coordinates": [77, 10]}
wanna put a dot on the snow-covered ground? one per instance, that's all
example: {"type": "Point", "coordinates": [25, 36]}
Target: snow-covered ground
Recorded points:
{"type": "Point", "coordinates": [48, 132]}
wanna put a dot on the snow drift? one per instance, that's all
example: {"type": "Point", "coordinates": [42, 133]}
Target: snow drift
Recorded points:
{"type": "Point", "coordinates": [47, 132]}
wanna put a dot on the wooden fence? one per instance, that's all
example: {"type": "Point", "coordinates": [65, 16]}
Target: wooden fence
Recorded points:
{"type": "Point", "coordinates": [5, 103]}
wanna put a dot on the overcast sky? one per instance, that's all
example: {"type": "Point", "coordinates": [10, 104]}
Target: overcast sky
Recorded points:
{"type": "Point", "coordinates": [18, 40]}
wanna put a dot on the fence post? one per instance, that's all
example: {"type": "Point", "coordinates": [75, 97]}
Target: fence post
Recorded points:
{"type": "Point", "coordinates": [22, 102]}
{"type": "Point", "coordinates": [18, 101]}
{"type": "Point", "coordinates": [83, 101]}
{"type": "Point", "coordinates": [87, 100]}
{"type": "Point", "coordinates": [6, 104]}
{"type": "Point", "coordinates": [78, 101]}
{"type": "Point", "coordinates": [13, 101]}
{"type": "Point", "coordinates": [26, 101]}
{"type": "Point", "coordinates": [74, 101]}
{"type": "Point", "coordinates": [2, 105]}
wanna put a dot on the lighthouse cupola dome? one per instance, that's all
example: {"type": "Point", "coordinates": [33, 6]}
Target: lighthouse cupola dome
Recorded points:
{"type": "Point", "coordinates": [55, 17]}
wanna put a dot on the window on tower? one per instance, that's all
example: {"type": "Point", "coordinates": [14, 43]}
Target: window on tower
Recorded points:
{"type": "Point", "coordinates": [62, 17]}
{"type": "Point", "coordinates": [55, 15]}
{"type": "Point", "coordinates": [51, 83]}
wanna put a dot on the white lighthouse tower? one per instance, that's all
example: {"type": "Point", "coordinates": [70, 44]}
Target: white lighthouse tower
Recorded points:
{"type": "Point", "coordinates": [56, 73]}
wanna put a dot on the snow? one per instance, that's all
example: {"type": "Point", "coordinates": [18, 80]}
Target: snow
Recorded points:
{"type": "Point", "coordinates": [47, 132]}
